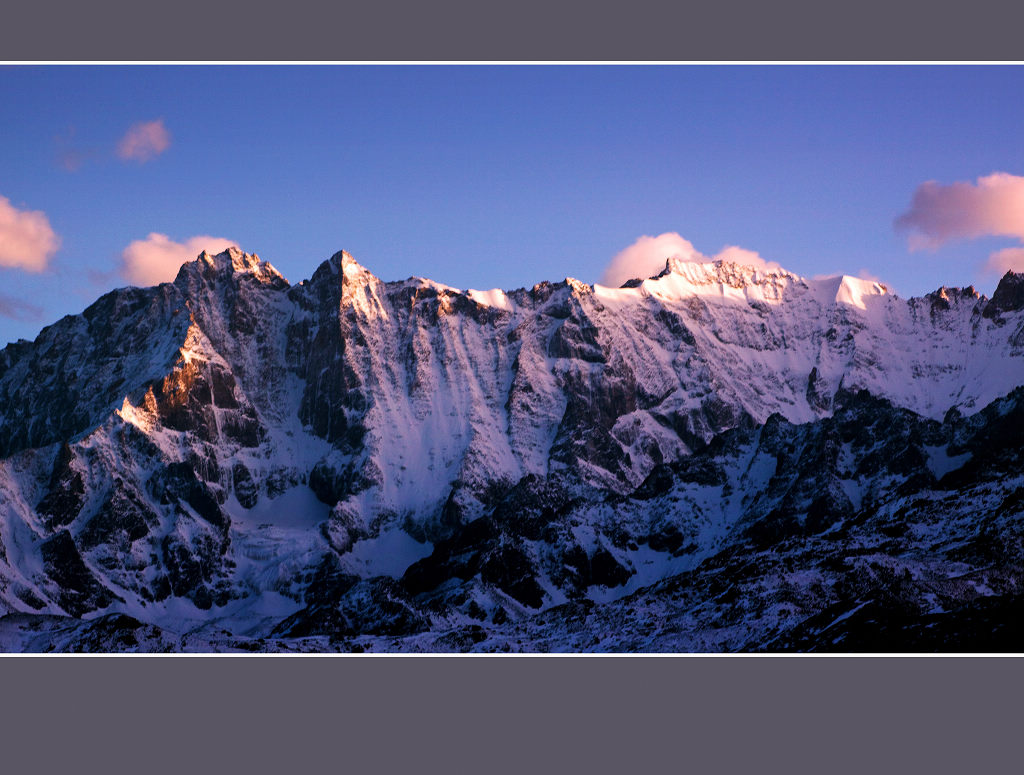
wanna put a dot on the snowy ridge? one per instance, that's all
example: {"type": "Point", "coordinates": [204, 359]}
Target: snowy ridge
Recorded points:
{"type": "Point", "coordinates": [219, 447]}
{"type": "Point", "coordinates": [772, 329]}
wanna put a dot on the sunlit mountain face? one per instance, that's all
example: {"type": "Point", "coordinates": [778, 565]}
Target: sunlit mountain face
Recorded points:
{"type": "Point", "coordinates": [719, 457]}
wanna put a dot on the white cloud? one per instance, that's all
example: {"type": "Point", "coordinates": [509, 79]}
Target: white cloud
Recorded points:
{"type": "Point", "coordinates": [157, 258]}
{"type": "Point", "coordinates": [26, 239]}
{"type": "Point", "coordinates": [646, 257]}
{"type": "Point", "coordinates": [144, 141]}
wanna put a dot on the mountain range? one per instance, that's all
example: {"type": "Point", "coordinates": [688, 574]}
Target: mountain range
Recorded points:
{"type": "Point", "coordinates": [718, 458]}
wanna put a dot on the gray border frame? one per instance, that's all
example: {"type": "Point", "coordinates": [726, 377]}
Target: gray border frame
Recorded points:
{"type": "Point", "coordinates": [510, 714]}
{"type": "Point", "coordinates": [487, 30]}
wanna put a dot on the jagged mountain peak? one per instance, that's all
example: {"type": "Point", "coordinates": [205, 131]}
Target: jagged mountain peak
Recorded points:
{"type": "Point", "coordinates": [340, 267]}
{"type": "Point", "coordinates": [946, 296]}
{"type": "Point", "coordinates": [232, 261]}
{"type": "Point", "coordinates": [1009, 294]}
{"type": "Point", "coordinates": [344, 264]}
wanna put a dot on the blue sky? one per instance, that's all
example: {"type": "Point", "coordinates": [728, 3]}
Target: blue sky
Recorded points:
{"type": "Point", "coordinates": [498, 176]}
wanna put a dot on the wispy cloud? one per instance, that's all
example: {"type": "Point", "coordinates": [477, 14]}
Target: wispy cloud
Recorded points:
{"type": "Point", "coordinates": [157, 258]}
{"type": "Point", "coordinates": [646, 257]}
{"type": "Point", "coordinates": [72, 159]}
{"type": "Point", "coordinates": [18, 309]}
{"type": "Point", "coordinates": [27, 241]}
{"type": "Point", "coordinates": [993, 206]}
{"type": "Point", "coordinates": [870, 276]}
{"type": "Point", "coordinates": [71, 156]}
{"type": "Point", "coordinates": [99, 277]}
{"type": "Point", "coordinates": [144, 141]}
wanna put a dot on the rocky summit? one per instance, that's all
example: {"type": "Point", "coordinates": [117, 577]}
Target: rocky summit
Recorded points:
{"type": "Point", "coordinates": [717, 458]}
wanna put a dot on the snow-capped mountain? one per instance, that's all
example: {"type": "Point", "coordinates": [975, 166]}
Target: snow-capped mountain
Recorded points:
{"type": "Point", "coordinates": [719, 457]}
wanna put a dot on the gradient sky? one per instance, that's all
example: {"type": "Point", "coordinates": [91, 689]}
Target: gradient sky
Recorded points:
{"type": "Point", "coordinates": [489, 176]}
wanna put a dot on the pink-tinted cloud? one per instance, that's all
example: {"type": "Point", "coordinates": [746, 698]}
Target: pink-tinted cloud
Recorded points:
{"type": "Point", "coordinates": [144, 141]}
{"type": "Point", "coordinates": [157, 258]}
{"type": "Point", "coordinates": [646, 257]}
{"type": "Point", "coordinates": [991, 207]}
{"type": "Point", "coordinates": [18, 309]}
{"type": "Point", "coordinates": [27, 240]}
{"type": "Point", "coordinates": [1005, 260]}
